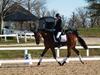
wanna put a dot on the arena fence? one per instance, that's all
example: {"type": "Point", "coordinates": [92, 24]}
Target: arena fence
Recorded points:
{"type": "Point", "coordinates": [27, 56]}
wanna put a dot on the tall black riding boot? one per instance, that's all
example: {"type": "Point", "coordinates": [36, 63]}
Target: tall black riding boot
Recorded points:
{"type": "Point", "coordinates": [59, 43]}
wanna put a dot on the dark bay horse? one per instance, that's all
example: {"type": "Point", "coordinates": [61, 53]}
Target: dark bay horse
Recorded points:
{"type": "Point", "coordinates": [49, 43]}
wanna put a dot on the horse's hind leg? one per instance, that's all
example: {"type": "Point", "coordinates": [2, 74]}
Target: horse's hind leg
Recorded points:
{"type": "Point", "coordinates": [77, 52]}
{"type": "Point", "coordinates": [54, 55]}
{"type": "Point", "coordinates": [41, 56]}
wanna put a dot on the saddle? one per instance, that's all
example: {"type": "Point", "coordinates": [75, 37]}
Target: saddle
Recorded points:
{"type": "Point", "coordinates": [62, 38]}
{"type": "Point", "coordinates": [62, 41]}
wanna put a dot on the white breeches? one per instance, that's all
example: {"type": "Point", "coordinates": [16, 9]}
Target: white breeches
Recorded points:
{"type": "Point", "coordinates": [58, 34]}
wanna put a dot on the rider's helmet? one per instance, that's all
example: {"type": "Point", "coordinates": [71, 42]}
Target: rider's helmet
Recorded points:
{"type": "Point", "coordinates": [57, 14]}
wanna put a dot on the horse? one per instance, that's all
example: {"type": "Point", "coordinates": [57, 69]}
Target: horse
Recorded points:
{"type": "Point", "coordinates": [49, 43]}
{"type": "Point", "coordinates": [47, 31]}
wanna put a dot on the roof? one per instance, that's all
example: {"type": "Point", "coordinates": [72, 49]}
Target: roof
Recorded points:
{"type": "Point", "coordinates": [18, 13]}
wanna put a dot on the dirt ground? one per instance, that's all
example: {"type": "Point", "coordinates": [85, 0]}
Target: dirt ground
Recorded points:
{"type": "Point", "coordinates": [92, 40]}
{"type": "Point", "coordinates": [71, 68]}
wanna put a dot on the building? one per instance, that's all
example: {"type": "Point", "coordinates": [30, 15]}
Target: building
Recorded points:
{"type": "Point", "coordinates": [18, 18]}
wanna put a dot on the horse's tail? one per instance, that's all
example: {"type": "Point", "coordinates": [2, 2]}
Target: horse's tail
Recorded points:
{"type": "Point", "coordinates": [82, 42]}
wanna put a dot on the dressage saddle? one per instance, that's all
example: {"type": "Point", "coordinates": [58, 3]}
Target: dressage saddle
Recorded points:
{"type": "Point", "coordinates": [61, 41]}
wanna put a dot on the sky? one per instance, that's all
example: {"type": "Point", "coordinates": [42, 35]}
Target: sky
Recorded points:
{"type": "Point", "coordinates": [65, 7]}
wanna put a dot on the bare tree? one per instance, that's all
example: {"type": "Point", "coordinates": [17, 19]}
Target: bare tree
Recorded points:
{"type": "Point", "coordinates": [4, 4]}
{"type": "Point", "coordinates": [64, 20]}
{"type": "Point", "coordinates": [53, 12]}
{"type": "Point", "coordinates": [83, 15]}
{"type": "Point", "coordinates": [39, 6]}
{"type": "Point", "coordinates": [72, 21]}
{"type": "Point", "coordinates": [44, 12]}
{"type": "Point", "coordinates": [35, 6]}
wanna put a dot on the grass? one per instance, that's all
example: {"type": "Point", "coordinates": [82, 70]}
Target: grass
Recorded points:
{"type": "Point", "coordinates": [11, 54]}
{"type": "Point", "coordinates": [90, 32]}
{"type": "Point", "coordinates": [36, 54]}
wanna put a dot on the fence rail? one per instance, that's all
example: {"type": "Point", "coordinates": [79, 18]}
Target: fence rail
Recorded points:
{"type": "Point", "coordinates": [41, 48]}
{"type": "Point", "coordinates": [10, 35]}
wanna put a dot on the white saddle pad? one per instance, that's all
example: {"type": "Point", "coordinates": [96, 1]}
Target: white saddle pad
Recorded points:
{"type": "Point", "coordinates": [63, 38]}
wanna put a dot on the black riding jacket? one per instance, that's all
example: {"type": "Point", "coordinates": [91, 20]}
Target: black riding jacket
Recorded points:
{"type": "Point", "coordinates": [58, 26]}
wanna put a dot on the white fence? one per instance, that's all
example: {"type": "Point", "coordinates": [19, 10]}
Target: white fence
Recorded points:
{"type": "Point", "coordinates": [10, 35]}
{"type": "Point", "coordinates": [26, 35]}
{"type": "Point", "coordinates": [45, 60]}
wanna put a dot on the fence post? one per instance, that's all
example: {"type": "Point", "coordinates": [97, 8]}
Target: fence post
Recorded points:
{"type": "Point", "coordinates": [5, 38]}
{"type": "Point", "coordinates": [27, 56]}
{"type": "Point", "coordinates": [25, 38]}
{"type": "Point", "coordinates": [17, 38]}
{"type": "Point", "coordinates": [58, 55]}
{"type": "Point", "coordinates": [0, 64]}
{"type": "Point", "coordinates": [30, 59]}
{"type": "Point", "coordinates": [87, 52]}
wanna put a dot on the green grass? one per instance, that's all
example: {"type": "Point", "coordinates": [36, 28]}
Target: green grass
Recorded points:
{"type": "Point", "coordinates": [36, 53]}
{"type": "Point", "coordinates": [90, 32]}
{"type": "Point", "coordinates": [11, 54]}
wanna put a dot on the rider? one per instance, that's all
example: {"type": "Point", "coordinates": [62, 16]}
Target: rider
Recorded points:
{"type": "Point", "coordinates": [58, 27]}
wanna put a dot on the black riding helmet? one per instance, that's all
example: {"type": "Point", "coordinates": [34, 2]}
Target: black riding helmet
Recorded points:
{"type": "Point", "coordinates": [57, 14]}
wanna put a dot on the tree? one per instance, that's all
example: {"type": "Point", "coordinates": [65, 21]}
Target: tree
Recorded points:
{"type": "Point", "coordinates": [53, 13]}
{"type": "Point", "coordinates": [34, 6]}
{"type": "Point", "coordinates": [78, 19]}
{"type": "Point", "coordinates": [82, 15]}
{"type": "Point", "coordinates": [72, 21]}
{"type": "Point", "coordinates": [39, 7]}
{"type": "Point", "coordinates": [4, 4]}
{"type": "Point", "coordinates": [94, 11]}
{"type": "Point", "coordinates": [94, 7]}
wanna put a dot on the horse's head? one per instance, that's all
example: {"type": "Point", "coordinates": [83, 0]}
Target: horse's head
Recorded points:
{"type": "Point", "coordinates": [37, 37]}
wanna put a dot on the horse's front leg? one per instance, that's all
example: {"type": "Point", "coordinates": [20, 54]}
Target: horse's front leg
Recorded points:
{"type": "Point", "coordinates": [54, 55]}
{"type": "Point", "coordinates": [68, 54]}
{"type": "Point", "coordinates": [41, 56]}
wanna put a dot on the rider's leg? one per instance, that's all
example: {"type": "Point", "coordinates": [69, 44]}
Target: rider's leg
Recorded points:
{"type": "Point", "coordinates": [58, 38]}
{"type": "Point", "coordinates": [58, 35]}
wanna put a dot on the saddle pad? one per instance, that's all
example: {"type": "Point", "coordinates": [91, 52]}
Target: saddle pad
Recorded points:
{"type": "Point", "coordinates": [63, 38]}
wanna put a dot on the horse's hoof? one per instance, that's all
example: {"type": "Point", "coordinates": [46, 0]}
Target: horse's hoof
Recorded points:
{"type": "Point", "coordinates": [63, 63]}
{"type": "Point", "coordinates": [82, 62]}
{"type": "Point", "coordinates": [59, 63]}
{"type": "Point", "coordinates": [38, 64]}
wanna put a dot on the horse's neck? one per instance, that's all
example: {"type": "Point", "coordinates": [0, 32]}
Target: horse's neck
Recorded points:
{"type": "Point", "coordinates": [47, 35]}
